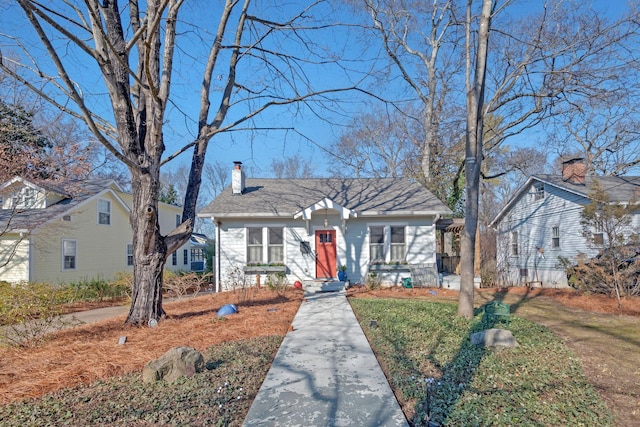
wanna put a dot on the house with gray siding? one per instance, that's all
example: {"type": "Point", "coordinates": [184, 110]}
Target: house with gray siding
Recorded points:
{"type": "Point", "coordinates": [541, 224]}
{"type": "Point", "coordinates": [307, 228]}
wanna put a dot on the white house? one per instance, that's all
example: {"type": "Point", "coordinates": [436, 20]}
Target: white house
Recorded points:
{"type": "Point", "coordinates": [307, 228]}
{"type": "Point", "coordinates": [542, 222]}
{"type": "Point", "coordinates": [76, 230]}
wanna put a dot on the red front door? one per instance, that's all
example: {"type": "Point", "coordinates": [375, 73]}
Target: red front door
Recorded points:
{"type": "Point", "coordinates": [325, 253]}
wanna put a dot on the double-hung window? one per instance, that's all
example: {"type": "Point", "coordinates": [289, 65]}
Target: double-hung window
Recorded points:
{"type": "Point", "coordinates": [538, 191]}
{"type": "Point", "coordinates": [398, 248]}
{"type": "Point", "coordinates": [129, 254]}
{"type": "Point", "coordinates": [174, 258]}
{"type": "Point", "coordinates": [514, 243]}
{"type": "Point", "coordinates": [69, 254]}
{"type": "Point", "coordinates": [376, 243]}
{"type": "Point", "coordinates": [185, 257]}
{"type": "Point", "coordinates": [387, 243]}
{"type": "Point", "coordinates": [254, 244]}
{"type": "Point", "coordinates": [104, 212]}
{"type": "Point", "coordinates": [276, 245]}
{"type": "Point", "coordinates": [555, 237]}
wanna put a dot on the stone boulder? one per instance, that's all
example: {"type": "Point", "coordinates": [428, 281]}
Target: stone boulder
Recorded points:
{"type": "Point", "coordinates": [494, 338]}
{"type": "Point", "coordinates": [175, 363]}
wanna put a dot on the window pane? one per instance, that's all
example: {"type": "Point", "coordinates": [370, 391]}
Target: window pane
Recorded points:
{"type": "Point", "coordinates": [275, 236]}
{"type": "Point", "coordinates": [376, 252]}
{"type": "Point", "coordinates": [69, 247]}
{"type": "Point", "coordinates": [254, 236]}
{"type": "Point", "coordinates": [397, 234]}
{"type": "Point", "coordinates": [254, 254]}
{"type": "Point", "coordinates": [275, 254]}
{"type": "Point", "coordinates": [377, 234]}
{"type": "Point", "coordinates": [397, 252]}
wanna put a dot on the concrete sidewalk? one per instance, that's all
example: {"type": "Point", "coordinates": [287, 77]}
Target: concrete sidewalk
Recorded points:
{"type": "Point", "coordinates": [325, 373]}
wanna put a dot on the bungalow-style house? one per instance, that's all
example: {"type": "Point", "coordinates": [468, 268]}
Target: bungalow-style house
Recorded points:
{"type": "Point", "coordinates": [542, 222]}
{"type": "Point", "coordinates": [72, 231]}
{"type": "Point", "coordinates": [308, 228]}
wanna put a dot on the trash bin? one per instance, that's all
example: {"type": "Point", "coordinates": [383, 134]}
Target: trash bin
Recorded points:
{"type": "Point", "coordinates": [406, 282]}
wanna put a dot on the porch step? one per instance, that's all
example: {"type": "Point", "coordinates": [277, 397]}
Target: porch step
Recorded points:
{"type": "Point", "coordinates": [315, 286]}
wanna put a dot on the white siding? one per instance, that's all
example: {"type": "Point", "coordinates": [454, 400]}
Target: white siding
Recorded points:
{"type": "Point", "coordinates": [534, 221]}
{"type": "Point", "coordinates": [352, 245]}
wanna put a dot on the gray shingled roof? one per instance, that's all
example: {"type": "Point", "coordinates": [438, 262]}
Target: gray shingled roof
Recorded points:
{"type": "Point", "coordinates": [76, 193]}
{"type": "Point", "coordinates": [265, 197]}
{"type": "Point", "coordinates": [619, 188]}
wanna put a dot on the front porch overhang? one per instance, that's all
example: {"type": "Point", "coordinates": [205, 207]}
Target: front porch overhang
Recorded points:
{"type": "Point", "coordinates": [322, 205]}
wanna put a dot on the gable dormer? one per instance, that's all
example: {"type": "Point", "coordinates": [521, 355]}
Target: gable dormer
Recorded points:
{"type": "Point", "coordinates": [19, 193]}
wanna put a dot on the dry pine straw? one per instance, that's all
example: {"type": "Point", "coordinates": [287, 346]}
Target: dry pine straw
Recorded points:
{"type": "Point", "coordinates": [567, 297]}
{"type": "Point", "coordinates": [90, 352]}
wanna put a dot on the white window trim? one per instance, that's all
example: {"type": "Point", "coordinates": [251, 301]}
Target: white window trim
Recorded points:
{"type": "Point", "coordinates": [265, 241]}
{"type": "Point", "coordinates": [75, 255]}
{"type": "Point", "coordinates": [538, 192]}
{"type": "Point", "coordinates": [99, 212]}
{"type": "Point", "coordinates": [130, 246]}
{"type": "Point", "coordinates": [515, 244]}
{"type": "Point", "coordinates": [553, 237]}
{"type": "Point", "coordinates": [387, 238]}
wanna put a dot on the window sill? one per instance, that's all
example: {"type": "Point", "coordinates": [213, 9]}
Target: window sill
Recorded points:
{"type": "Point", "coordinates": [389, 267]}
{"type": "Point", "coordinates": [264, 269]}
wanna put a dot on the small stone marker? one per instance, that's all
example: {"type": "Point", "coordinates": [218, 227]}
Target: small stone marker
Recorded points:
{"type": "Point", "coordinates": [122, 340]}
{"type": "Point", "coordinates": [494, 338]}
{"type": "Point", "coordinates": [373, 324]}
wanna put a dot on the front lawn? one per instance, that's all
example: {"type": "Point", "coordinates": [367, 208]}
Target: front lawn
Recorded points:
{"type": "Point", "coordinates": [438, 375]}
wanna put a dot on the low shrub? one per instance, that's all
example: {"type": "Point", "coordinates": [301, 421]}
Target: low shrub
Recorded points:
{"type": "Point", "coordinates": [97, 289]}
{"type": "Point", "coordinates": [181, 284]}
{"type": "Point", "coordinates": [277, 282]}
{"type": "Point", "coordinates": [29, 311]}
{"type": "Point", "coordinates": [236, 281]}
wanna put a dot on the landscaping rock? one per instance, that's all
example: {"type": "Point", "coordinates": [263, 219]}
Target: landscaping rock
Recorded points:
{"type": "Point", "coordinates": [494, 338]}
{"type": "Point", "coordinates": [175, 363]}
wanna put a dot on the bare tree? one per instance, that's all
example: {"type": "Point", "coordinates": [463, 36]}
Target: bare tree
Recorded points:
{"type": "Point", "coordinates": [217, 177]}
{"type": "Point", "coordinates": [420, 39]}
{"type": "Point", "coordinates": [379, 143]}
{"type": "Point", "coordinates": [292, 167]}
{"type": "Point", "coordinates": [258, 58]}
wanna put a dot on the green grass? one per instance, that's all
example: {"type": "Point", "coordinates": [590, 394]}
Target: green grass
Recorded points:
{"type": "Point", "coordinates": [438, 375]}
{"type": "Point", "coordinates": [219, 396]}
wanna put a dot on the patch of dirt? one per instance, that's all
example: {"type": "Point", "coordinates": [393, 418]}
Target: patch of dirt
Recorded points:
{"type": "Point", "coordinates": [90, 352]}
{"type": "Point", "coordinates": [604, 337]}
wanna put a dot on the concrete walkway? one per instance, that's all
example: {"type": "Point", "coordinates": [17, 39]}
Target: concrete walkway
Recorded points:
{"type": "Point", "coordinates": [325, 373]}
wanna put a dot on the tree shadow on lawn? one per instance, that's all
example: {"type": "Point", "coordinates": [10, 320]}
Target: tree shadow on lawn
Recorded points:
{"type": "Point", "coordinates": [449, 381]}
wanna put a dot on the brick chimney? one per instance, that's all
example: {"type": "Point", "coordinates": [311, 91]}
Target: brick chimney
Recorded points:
{"type": "Point", "coordinates": [237, 179]}
{"type": "Point", "coordinates": [573, 171]}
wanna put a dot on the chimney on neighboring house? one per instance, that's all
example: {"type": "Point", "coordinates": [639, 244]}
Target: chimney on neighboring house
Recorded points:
{"type": "Point", "coordinates": [573, 171]}
{"type": "Point", "coordinates": [237, 179]}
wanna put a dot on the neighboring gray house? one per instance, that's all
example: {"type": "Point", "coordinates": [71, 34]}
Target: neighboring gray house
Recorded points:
{"type": "Point", "coordinates": [541, 222]}
{"type": "Point", "coordinates": [309, 227]}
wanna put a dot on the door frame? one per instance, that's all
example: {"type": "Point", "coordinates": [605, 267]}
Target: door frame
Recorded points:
{"type": "Point", "coordinates": [333, 262]}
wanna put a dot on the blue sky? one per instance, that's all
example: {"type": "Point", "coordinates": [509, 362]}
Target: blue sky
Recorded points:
{"type": "Point", "coordinates": [255, 149]}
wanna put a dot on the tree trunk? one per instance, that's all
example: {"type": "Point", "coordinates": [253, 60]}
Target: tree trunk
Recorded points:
{"type": "Point", "coordinates": [473, 161]}
{"type": "Point", "coordinates": [150, 252]}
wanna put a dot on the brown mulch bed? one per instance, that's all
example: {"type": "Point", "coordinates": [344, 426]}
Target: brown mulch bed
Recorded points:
{"type": "Point", "coordinates": [567, 297]}
{"type": "Point", "coordinates": [90, 352]}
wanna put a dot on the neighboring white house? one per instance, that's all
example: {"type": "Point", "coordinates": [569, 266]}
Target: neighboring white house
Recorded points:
{"type": "Point", "coordinates": [542, 222]}
{"type": "Point", "coordinates": [307, 228]}
{"type": "Point", "coordinates": [78, 230]}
